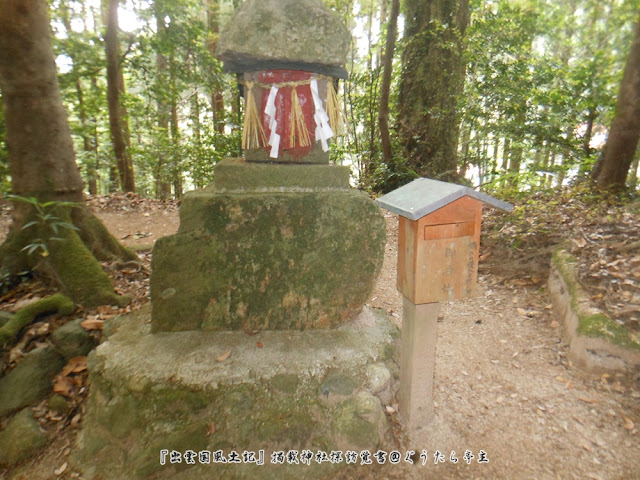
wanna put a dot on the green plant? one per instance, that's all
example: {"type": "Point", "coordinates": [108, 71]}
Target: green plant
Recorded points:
{"type": "Point", "coordinates": [46, 220]}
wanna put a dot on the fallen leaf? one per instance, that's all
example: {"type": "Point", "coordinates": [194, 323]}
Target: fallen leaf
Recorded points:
{"type": "Point", "coordinates": [59, 471]}
{"type": "Point", "coordinates": [555, 324]}
{"type": "Point", "coordinates": [251, 333]}
{"type": "Point", "coordinates": [259, 344]}
{"type": "Point", "coordinates": [212, 429]}
{"type": "Point", "coordinates": [389, 409]}
{"type": "Point", "coordinates": [579, 242]}
{"type": "Point", "coordinates": [92, 324]}
{"type": "Point", "coordinates": [628, 423]}
{"type": "Point", "coordinates": [75, 365]}
{"type": "Point", "coordinates": [588, 400]}
{"type": "Point", "coordinates": [587, 447]}
{"type": "Point", "coordinates": [224, 356]}
{"type": "Point", "coordinates": [63, 385]}
{"type": "Point", "coordinates": [522, 312]}
{"type": "Point", "coordinates": [603, 378]}
{"type": "Point", "coordinates": [75, 420]}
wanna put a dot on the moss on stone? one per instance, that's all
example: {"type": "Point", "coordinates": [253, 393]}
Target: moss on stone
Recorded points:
{"type": "Point", "coordinates": [285, 383]}
{"type": "Point", "coordinates": [178, 402]}
{"type": "Point", "coordinates": [193, 437]}
{"type": "Point", "coordinates": [601, 326]}
{"type": "Point", "coordinates": [267, 261]}
{"type": "Point", "coordinates": [595, 325]}
{"type": "Point", "coordinates": [356, 421]}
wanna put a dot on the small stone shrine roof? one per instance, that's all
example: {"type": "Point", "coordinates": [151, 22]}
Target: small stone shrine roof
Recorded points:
{"type": "Point", "coordinates": [284, 34]}
{"type": "Point", "coordinates": [424, 196]}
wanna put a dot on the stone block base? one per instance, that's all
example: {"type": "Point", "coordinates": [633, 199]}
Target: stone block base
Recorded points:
{"type": "Point", "coordinates": [280, 256]}
{"type": "Point", "coordinates": [275, 391]}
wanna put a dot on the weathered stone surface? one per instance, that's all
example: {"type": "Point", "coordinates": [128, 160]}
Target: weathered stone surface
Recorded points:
{"type": "Point", "coordinates": [359, 422]}
{"type": "Point", "coordinates": [30, 380]}
{"type": "Point", "coordinates": [162, 391]}
{"type": "Point", "coordinates": [273, 260]}
{"type": "Point", "coordinates": [596, 343]}
{"type": "Point", "coordinates": [296, 34]}
{"type": "Point", "coordinates": [379, 382]}
{"type": "Point", "coordinates": [21, 439]}
{"type": "Point", "coordinates": [71, 340]}
{"type": "Point", "coordinates": [234, 175]}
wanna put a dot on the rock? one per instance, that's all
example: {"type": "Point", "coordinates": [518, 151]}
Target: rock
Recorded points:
{"type": "Point", "coordinates": [358, 422]}
{"type": "Point", "coordinates": [289, 34]}
{"type": "Point", "coordinates": [58, 404]}
{"type": "Point", "coordinates": [21, 439]}
{"type": "Point", "coordinates": [379, 382]}
{"type": "Point", "coordinates": [71, 340]}
{"type": "Point", "coordinates": [30, 380]}
{"type": "Point", "coordinates": [338, 383]}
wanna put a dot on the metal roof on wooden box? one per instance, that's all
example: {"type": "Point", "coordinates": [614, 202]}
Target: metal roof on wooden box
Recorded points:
{"type": "Point", "coordinates": [424, 196]}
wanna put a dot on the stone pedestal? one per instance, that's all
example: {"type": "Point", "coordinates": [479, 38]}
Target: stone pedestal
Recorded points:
{"type": "Point", "coordinates": [278, 390]}
{"type": "Point", "coordinates": [275, 246]}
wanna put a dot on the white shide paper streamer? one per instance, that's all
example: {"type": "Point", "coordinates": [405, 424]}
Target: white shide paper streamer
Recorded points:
{"type": "Point", "coordinates": [323, 130]}
{"type": "Point", "coordinates": [270, 112]}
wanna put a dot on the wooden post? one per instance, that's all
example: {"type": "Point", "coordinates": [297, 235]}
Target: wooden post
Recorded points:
{"type": "Point", "coordinates": [417, 362]}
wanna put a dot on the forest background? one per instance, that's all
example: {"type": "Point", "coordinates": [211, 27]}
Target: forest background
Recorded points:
{"type": "Point", "coordinates": [511, 96]}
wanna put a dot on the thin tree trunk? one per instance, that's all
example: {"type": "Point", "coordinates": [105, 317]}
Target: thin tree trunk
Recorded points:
{"type": "Point", "coordinates": [383, 113]}
{"type": "Point", "coordinates": [217, 96]}
{"type": "Point", "coordinates": [506, 151]}
{"type": "Point", "coordinates": [118, 119]}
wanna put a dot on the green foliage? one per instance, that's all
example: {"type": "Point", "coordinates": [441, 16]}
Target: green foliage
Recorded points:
{"type": "Point", "coordinates": [542, 79]}
{"type": "Point", "coordinates": [46, 223]}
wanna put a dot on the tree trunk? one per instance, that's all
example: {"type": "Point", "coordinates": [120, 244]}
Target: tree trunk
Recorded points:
{"type": "Point", "coordinates": [625, 128]}
{"type": "Point", "coordinates": [217, 97]}
{"type": "Point", "coordinates": [118, 119]}
{"type": "Point", "coordinates": [45, 169]}
{"type": "Point", "coordinates": [383, 112]}
{"type": "Point", "coordinates": [432, 81]}
{"type": "Point", "coordinates": [163, 187]}
{"type": "Point", "coordinates": [82, 110]}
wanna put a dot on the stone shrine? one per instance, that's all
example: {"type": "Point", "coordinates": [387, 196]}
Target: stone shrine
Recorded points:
{"type": "Point", "coordinates": [286, 245]}
{"type": "Point", "coordinates": [258, 340]}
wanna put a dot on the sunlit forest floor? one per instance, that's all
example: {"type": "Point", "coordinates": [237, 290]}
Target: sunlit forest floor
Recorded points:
{"type": "Point", "coordinates": [503, 383]}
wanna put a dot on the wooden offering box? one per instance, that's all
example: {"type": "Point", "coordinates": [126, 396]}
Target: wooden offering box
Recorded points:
{"type": "Point", "coordinates": [438, 238]}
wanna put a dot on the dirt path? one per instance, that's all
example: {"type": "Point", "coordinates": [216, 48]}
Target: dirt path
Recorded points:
{"type": "Point", "coordinates": [502, 385]}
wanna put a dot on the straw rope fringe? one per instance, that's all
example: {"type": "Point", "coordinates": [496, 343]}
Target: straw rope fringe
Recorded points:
{"type": "Point", "coordinates": [253, 135]}
{"type": "Point", "coordinates": [298, 126]}
{"type": "Point", "coordinates": [336, 117]}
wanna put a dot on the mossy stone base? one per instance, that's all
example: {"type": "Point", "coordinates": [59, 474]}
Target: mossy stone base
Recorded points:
{"type": "Point", "coordinates": [596, 343]}
{"type": "Point", "coordinates": [298, 390]}
{"type": "Point", "coordinates": [284, 259]}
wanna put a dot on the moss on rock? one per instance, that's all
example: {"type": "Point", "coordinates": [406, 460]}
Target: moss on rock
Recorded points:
{"type": "Point", "coordinates": [268, 261]}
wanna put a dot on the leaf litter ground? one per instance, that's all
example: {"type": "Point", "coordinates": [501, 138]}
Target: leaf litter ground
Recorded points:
{"type": "Point", "coordinates": [503, 383]}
